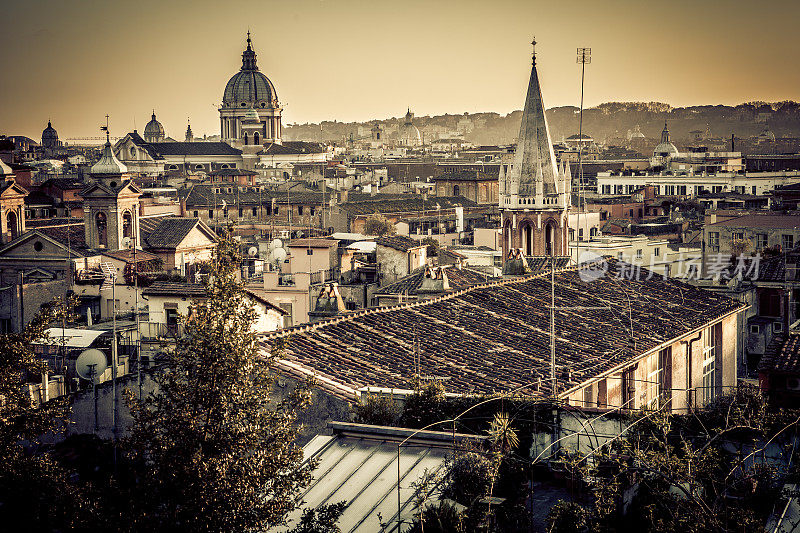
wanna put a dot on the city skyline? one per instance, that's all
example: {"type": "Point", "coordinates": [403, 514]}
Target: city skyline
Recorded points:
{"type": "Point", "coordinates": [349, 61]}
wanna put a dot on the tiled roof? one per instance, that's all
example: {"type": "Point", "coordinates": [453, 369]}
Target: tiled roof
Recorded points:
{"type": "Point", "coordinates": [195, 148]}
{"type": "Point", "coordinates": [407, 204]}
{"type": "Point", "coordinates": [166, 232]}
{"type": "Point", "coordinates": [399, 242]}
{"type": "Point", "coordinates": [127, 255]}
{"type": "Point", "coordinates": [313, 243]}
{"type": "Point", "coordinates": [174, 288]}
{"type": "Point", "coordinates": [782, 354]}
{"type": "Point", "coordinates": [234, 172]}
{"type": "Point", "coordinates": [72, 234]}
{"type": "Point", "coordinates": [457, 278]}
{"type": "Point", "coordinates": [495, 337]}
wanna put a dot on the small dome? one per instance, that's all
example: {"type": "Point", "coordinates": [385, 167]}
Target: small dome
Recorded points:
{"type": "Point", "coordinates": [665, 149]}
{"type": "Point", "coordinates": [108, 164]}
{"type": "Point", "coordinates": [249, 87]}
{"type": "Point", "coordinates": [154, 131]}
{"type": "Point", "coordinates": [251, 115]}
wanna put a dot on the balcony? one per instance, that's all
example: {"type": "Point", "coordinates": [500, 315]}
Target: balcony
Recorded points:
{"type": "Point", "coordinates": [157, 331]}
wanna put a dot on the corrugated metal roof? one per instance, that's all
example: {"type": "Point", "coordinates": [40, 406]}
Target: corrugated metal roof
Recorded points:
{"type": "Point", "coordinates": [358, 466]}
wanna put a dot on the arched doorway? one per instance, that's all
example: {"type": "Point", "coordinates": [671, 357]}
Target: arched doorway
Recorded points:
{"type": "Point", "coordinates": [102, 229]}
{"type": "Point", "coordinates": [456, 190]}
{"type": "Point", "coordinates": [11, 222]}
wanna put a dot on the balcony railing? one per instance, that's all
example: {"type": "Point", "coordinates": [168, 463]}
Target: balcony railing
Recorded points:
{"type": "Point", "coordinates": [159, 331]}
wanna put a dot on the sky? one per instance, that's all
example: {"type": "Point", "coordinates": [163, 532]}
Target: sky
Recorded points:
{"type": "Point", "coordinates": [351, 60]}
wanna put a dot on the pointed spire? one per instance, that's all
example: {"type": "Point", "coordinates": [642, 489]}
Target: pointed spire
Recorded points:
{"type": "Point", "coordinates": [665, 133]}
{"type": "Point", "coordinates": [533, 44]}
{"type": "Point", "coordinates": [534, 160]}
{"type": "Point", "coordinates": [108, 164]}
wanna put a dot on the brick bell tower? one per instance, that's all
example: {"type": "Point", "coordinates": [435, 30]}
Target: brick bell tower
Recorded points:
{"type": "Point", "coordinates": [534, 190]}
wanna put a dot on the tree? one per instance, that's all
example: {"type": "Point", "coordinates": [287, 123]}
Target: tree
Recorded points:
{"type": "Point", "coordinates": [378, 225]}
{"type": "Point", "coordinates": [320, 520]}
{"type": "Point", "coordinates": [704, 472]}
{"type": "Point", "coordinates": [433, 246]}
{"type": "Point", "coordinates": [376, 409]}
{"type": "Point", "coordinates": [214, 451]}
{"type": "Point", "coordinates": [34, 491]}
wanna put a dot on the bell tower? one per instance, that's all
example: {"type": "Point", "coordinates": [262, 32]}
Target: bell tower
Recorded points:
{"type": "Point", "coordinates": [534, 190]}
{"type": "Point", "coordinates": [111, 204]}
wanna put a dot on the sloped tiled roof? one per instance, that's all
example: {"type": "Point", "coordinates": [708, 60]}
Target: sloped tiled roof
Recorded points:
{"type": "Point", "coordinates": [782, 354]}
{"type": "Point", "coordinates": [495, 337]}
{"type": "Point", "coordinates": [399, 242]}
{"type": "Point", "coordinates": [457, 278]}
{"type": "Point", "coordinates": [174, 288]}
{"type": "Point", "coordinates": [166, 232]}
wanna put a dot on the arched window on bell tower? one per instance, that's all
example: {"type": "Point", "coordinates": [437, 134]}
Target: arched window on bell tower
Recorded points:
{"type": "Point", "coordinates": [245, 137]}
{"type": "Point", "coordinates": [127, 224]}
{"type": "Point", "coordinates": [11, 224]}
{"type": "Point", "coordinates": [255, 138]}
{"type": "Point", "coordinates": [102, 229]}
{"type": "Point", "coordinates": [549, 238]}
{"type": "Point", "coordinates": [527, 239]}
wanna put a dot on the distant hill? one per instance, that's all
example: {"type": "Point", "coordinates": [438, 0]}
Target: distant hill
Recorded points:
{"type": "Point", "coordinates": [604, 122]}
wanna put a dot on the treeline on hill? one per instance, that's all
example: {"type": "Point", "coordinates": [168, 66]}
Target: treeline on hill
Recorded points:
{"type": "Point", "coordinates": [604, 122]}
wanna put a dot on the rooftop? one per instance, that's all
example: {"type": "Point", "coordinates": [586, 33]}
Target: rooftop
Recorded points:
{"type": "Point", "coordinates": [761, 221]}
{"type": "Point", "coordinates": [495, 336]}
{"type": "Point", "coordinates": [399, 242]}
{"type": "Point", "coordinates": [782, 355]}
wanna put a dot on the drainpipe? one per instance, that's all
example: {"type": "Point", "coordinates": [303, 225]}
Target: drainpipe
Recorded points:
{"type": "Point", "coordinates": [689, 388]}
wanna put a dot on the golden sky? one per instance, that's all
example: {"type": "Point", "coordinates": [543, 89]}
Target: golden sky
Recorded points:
{"type": "Point", "coordinates": [353, 60]}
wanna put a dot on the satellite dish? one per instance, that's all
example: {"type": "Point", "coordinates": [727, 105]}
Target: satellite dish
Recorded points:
{"type": "Point", "coordinates": [277, 255]}
{"type": "Point", "coordinates": [275, 244]}
{"type": "Point", "coordinates": [91, 363]}
{"type": "Point", "coordinates": [252, 251]}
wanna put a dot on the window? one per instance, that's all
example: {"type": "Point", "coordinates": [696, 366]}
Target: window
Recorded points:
{"type": "Point", "coordinates": [196, 214]}
{"type": "Point", "coordinates": [657, 251]}
{"type": "Point", "coordinates": [240, 212]}
{"type": "Point", "coordinates": [713, 241]}
{"type": "Point", "coordinates": [629, 389]}
{"type": "Point", "coordinates": [777, 327]}
{"type": "Point", "coordinates": [709, 385]}
{"type": "Point", "coordinates": [755, 329]}
{"type": "Point", "coordinates": [619, 256]}
{"type": "Point", "coordinates": [255, 211]}
{"type": "Point", "coordinates": [737, 236]}
{"type": "Point", "coordinates": [657, 389]}
{"type": "Point", "coordinates": [287, 318]}
{"type": "Point", "coordinates": [639, 253]}
{"type": "Point", "coordinates": [588, 396]}
{"type": "Point", "coordinates": [210, 213]}
{"type": "Point", "coordinates": [299, 209]}
{"type": "Point", "coordinates": [787, 242]}
{"type": "Point", "coordinates": [761, 241]}
{"type": "Point", "coordinates": [580, 234]}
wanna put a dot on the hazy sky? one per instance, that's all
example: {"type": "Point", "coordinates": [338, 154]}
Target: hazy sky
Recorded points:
{"type": "Point", "coordinates": [74, 61]}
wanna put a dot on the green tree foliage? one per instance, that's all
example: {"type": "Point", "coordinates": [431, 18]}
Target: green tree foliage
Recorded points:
{"type": "Point", "coordinates": [214, 452]}
{"type": "Point", "coordinates": [34, 491]}
{"type": "Point", "coordinates": [566, 517]}
{"type": "Point", "coordinates": [377, 224]}
{"type": "Point", "coordinates": [433, 246]}
{"type": "Point", "coordinates": [377, 409]}
{"type": "Point", "coordinates": [700, 472]}
{"type": "Point", "coordinates": [440, 518]}
{"type": "Point", "coordinates": [425, 406]}
{"type": "Point", "coordinates": [320, 520]}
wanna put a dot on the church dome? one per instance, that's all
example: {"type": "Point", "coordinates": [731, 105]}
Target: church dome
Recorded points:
{"type": "Point", "coordinates": [154, 131]}
{"type": "Point", "coordinates": [665, 148]}
{"type": "Point", "coordinates": [50, 136]}
{"type": "Point", "coordinates": [249, 87]}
